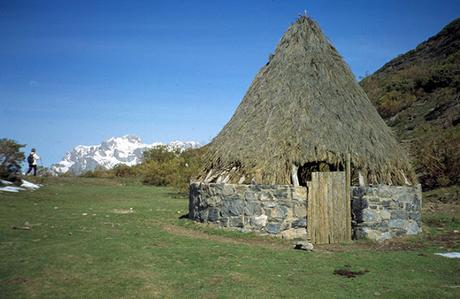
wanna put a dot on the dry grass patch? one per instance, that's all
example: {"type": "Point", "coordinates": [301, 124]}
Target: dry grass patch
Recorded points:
{"type": "Point", "coordinates": [265, 242]}
{"type": "Point", "coordinates": [123, 211]}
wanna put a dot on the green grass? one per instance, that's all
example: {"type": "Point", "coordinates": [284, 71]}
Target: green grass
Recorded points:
{"type": "Point", "coordinates": [146, 252]}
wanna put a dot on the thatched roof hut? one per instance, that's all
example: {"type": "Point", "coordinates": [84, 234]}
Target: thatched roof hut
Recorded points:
{"type": "Point", "coordinates": [305, 109]}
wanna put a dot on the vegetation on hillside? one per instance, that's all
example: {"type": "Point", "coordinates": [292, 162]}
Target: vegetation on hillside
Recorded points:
{"type": "Point", "coordinates": [418, 95]}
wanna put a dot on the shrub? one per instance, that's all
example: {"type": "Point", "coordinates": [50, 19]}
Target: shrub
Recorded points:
{"type": "Point", "coordinates": [171, 169]}
{"type": "Point", "coordinates": [154, 174]}
{"type": "Point", "coordinates": [393, 102]}
{"type": "Point", "coordinates": [11, 158]}
{"type": "Point", "coordinates": [438, 161]}
{"type": "Point", "coordinates": [159, 154]}
{"type": "Point", "coordinates": [122, 170]}
{"type": "Point", "coordinates": [388, 105]}
{"type": "Point", "coordinates": [99, 172]}
{"type": "Point", "coordinates": [43, 171]}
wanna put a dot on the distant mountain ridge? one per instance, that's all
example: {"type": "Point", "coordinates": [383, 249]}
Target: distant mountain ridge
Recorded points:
{"type": "Point", "coordinates": [126, 150]}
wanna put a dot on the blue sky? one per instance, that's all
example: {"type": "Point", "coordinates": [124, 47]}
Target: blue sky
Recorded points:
{"type": "Point", "coordinates": [78, 72]}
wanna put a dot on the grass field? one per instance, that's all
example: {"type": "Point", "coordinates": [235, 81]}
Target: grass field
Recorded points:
{"type": "Point", "coordinates": [96, 238]}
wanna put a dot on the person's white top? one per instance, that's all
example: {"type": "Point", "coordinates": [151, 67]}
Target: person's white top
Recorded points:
{"type": "Point", "coordinates": [36, 158]}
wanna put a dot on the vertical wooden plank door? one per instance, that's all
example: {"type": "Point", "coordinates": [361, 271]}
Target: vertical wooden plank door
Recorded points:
{"type": "Point", "coordinates": [329, 215]}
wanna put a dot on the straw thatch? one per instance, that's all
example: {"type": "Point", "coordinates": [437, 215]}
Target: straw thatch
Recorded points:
{"type": "Point", "coordinates": [305, 108]}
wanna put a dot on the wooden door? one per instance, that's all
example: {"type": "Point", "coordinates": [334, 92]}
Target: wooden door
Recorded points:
{"type": "Point", "coordinates": [329, 210]}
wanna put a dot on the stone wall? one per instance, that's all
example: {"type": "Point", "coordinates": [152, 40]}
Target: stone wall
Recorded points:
{"type": "Point", "coordinates": [271, 209]}
{"type": "Point", "coordinates": [379, 212]}
{"type": "Point", "coordinates": [383, 212]}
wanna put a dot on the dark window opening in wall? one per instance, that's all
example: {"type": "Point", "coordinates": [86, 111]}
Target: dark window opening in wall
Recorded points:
{"type": "Point", "coordinates": [304, 171]}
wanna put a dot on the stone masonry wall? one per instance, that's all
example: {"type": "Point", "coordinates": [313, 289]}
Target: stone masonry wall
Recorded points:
{"type": "Point", "coordinates": [272, 209]}
{"type": "Point", "coordinates": [383, 212]}
{"type": "Point", "coordinates": [378, 212]}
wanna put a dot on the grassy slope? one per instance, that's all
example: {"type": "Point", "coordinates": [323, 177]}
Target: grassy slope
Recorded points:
{"type": "Point", "coordinates": [418, 95]}
{"type": "Point", "coordinates": [151, 253]}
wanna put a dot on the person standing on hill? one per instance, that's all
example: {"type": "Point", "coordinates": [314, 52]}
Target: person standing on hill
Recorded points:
{"type": "Point", "coordinates": [32, 159]}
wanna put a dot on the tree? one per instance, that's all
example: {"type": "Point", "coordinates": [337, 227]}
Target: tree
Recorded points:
{"type": "Point", "coordinates": [159, 154]}
{"type": "Point", "coordinates": [161, 167]}
{"type": "Point", "coordinates": [11, 158]}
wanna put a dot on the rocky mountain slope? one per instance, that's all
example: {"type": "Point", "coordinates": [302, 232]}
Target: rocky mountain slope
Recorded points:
{"type": "Point", "coordinates": [126, 150]}
{"type": "Point", "coordinates": [418, 95]}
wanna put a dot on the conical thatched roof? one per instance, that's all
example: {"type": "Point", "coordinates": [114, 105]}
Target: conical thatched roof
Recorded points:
{"type": "Point", "coordinates": [305, 107]}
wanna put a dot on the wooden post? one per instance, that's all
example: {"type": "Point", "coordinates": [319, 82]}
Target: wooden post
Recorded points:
{"type": "Point", "coordinates": [309, 230]}
{"type": "Point", "coordinates": [361, 180]}
{"type": "Point", "coordinates": [294, 177]}
{"type": "Point", "coordinates": [348, 191]}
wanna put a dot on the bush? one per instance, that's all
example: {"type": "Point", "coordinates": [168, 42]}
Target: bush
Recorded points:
{"type": "Point", "coordinates": [99, 172]}
{"type": "Point", "coordinates": [163, 174]}
{"type": "Point", "coordinates": [122, 170]}
{"type": "Point", "coordinates": [174, 169]}
{"type": "Point", "coordinates": [393, 102]}
{"type": "Point", "coordinates": [438, 161]}
{"type": "Point", "coordinates": [159, 154]}
{"type": "Point", "coordinates": [43, 171]}
{"type": "Point", "coordinates": [11, 158]}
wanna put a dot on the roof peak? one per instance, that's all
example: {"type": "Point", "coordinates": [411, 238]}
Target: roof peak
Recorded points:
{"type": "Point", "coordinates": [305, 30]}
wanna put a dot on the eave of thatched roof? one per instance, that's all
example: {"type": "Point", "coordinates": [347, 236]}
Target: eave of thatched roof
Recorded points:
{"type": "Point", "coordinates": [305, 106]}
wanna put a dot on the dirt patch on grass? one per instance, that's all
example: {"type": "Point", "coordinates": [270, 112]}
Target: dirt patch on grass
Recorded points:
{"type": "Point", "coordinates": [233, 277]}
{"type": "Point", "coordinates": [216, 280]}
{"type": "Point", "coordinates": [16, 280]}
{"type": "Point", "coordinates": [52, 278]}
{"type": "Point", "coordinates": [439, 207]}
{"type": "Point", "coordinates": [443, 195]}
{"type": "Point", "coordinates": [191, 233]}
{"type": "Point", "coordinates": [448, 240]}
{"type": "Point", "coordinates": [122, 211]}
{"type": "Point", "coordinates": [402, 244]}
{"type": "Point", "coordinates": [152, 285]}
{"type": "Point", "coordinates": [349, 273]}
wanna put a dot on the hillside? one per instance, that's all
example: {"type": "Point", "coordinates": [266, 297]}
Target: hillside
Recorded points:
{"type": "Point", "coordinates": [418, 95]}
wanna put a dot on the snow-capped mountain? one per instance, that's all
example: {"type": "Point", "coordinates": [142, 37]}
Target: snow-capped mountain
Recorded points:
{"type": "Point", "coordinates": [126, 150]}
